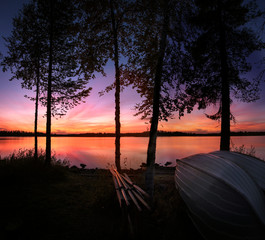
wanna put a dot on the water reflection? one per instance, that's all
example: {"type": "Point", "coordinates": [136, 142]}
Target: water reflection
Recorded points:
{"type": "Point", "coordinates": [99, 152]}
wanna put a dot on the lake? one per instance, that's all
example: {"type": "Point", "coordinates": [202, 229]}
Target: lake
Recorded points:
{"type": "Point", "coordinates": [98, 152]}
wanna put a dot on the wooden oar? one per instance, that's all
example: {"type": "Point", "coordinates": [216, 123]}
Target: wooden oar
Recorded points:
{"type": "Point", "coordinates": [141, 200]}
{"type": "Point", "coordinates": [121, 188]}
{"type": "Point", "coordinates": [140, 190]}
{"type": "Point", "coordinates": [128, 189]}
{"type": "Point", "coordinates": [117, 190]}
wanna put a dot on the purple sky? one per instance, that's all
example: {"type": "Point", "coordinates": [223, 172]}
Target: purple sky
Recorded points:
{"type": "Point", "coordinates": [97, 114]}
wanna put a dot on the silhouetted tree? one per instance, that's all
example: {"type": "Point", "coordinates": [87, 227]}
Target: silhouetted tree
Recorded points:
{"type": "Point", "coordinates": [104, 31]}
{"type": "Point", "coordinates": [156, 99]}
{"type": "Point", "coordinates": [25, 56]}
{"type": "Point", "coordinates": [64, 89]}
{"type": "Point", "coordinates": [114, 26]}
{"type": "Point", "coordinates": [218, 59]}
{"type": "Point", "coordinates": [154, 65]}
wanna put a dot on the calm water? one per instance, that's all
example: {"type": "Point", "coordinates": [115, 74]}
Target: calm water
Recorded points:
{"type": "Point", "coordinates": [99, 152]}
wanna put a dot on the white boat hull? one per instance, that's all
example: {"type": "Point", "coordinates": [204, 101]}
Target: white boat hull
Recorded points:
{"type": "Point", "coordinates": [223, 200]}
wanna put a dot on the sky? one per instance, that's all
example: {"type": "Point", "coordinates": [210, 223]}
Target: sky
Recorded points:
{"type": "Point", "coordinates": [98, 113]}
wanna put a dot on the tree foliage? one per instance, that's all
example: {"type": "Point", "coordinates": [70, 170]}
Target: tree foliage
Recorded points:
{"type": "Point", "coordinates": [26, 44]}
{"type": "Point", "coordinates": [28, 50]}
{"type": "Point", "coordinates": [69, 87]}
{"type": "Point", "coordinates": [203, 67]}
{"type": "Point", "coordinates": [144, 50]}
{"type": "Point", "coordinates": [218, 59]}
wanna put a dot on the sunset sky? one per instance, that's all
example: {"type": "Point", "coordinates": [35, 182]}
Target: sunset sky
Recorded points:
{"type": "Point", "coordinates": [97, 114]}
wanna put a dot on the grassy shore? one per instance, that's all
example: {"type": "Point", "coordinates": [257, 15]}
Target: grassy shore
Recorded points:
{"type": "Point", "coordinates": [38, 202]}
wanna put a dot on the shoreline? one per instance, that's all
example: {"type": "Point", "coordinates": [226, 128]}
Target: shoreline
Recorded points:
{"type": "Point", "coordinates": [69, 204]}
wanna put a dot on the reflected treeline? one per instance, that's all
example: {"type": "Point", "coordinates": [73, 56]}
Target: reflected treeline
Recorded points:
{"type": "Point", "coordinates": [178, 54]}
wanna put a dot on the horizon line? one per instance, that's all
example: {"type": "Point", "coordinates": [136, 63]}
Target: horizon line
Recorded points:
{"type": "Point", "coordinates": [144, 133]}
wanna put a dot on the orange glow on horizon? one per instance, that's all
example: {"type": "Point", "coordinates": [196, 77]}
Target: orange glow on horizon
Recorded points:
{"type": "Point", "coordinates": [196, 123]}
{"type": "Point", "coordinates": [98, 113]}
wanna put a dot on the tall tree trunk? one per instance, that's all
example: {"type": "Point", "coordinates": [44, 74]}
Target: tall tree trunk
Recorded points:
{"type": "Point", "coordinates": [225, 101]}
{"type": "Point", "coordinates": [36, 109]}
{"type": "Point", "coordinates": [151, 152]}
{"type": "Point", "coordinates": [117, 90]}
{"type": "Point", "coordinates": [49, 90]}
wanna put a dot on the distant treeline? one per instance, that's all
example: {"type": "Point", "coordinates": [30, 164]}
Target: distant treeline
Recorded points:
{"type": "Point", "coordinates": [142, 134]}
{"type": "Point", "coordinates": [19, 133]}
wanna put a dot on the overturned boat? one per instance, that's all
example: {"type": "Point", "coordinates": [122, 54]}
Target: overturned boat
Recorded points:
{"type": "Point", "coordinates": [253, 166]}
{"type": "Point", "coordinates": [224, 199]}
